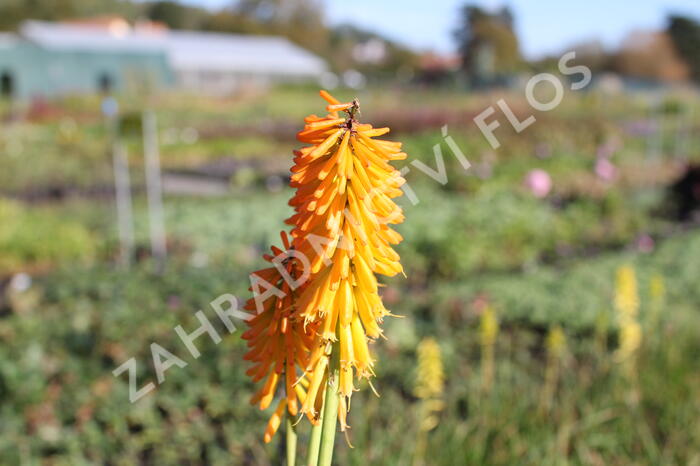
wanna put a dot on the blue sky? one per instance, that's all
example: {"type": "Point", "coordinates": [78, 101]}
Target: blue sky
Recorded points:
{"type": "Point", "coordinates": [543, 25]}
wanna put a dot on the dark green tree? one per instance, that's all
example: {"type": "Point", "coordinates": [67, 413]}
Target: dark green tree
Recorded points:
{"type": "Point", "coordinates": [685, 33]}
{"type": "Point", "coordinates": [487, 43]}
{"type": "Point", "coordinates": [13, 12]}
{"type": "Point", "coordinates": [299, 20]}
{"type": "Point", "coordinates": [176, 15]}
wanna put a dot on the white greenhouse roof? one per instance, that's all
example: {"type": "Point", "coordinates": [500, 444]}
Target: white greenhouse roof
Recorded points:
{"type": "Point", "coordinates": [186, 50]}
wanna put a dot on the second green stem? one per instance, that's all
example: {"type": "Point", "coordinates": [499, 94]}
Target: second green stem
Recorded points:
{"type": "Point", "coordinates": [330, 410]}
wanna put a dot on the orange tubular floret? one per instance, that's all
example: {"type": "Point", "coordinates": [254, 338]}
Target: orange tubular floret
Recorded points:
{"type": "Point", "coordinates": [328, 98]}
{"type": "Point", "coordinates": [339, 107]}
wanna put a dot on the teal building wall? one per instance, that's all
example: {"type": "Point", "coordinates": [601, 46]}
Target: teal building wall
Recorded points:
{"type": "Point", "coordinates": [28, 70]}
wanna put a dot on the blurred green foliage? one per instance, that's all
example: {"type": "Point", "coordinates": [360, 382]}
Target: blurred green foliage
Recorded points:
{"type": "Point", "coordinates": [482, 237]}
{"type": "Point", "coordinates": [32, 238]}
{"type": "Point", "coordinates": [71, 329]}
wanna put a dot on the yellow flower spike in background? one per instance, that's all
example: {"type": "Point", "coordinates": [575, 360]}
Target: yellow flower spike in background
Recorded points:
{"type": "Point", "coordinates": [488, 327]}
{"type": "Point", "coordinates": [343, 207]}
{"type": "Point", "coordinates": [430, 384]}
{"type": "Point", "coordinates": [626, 295]}
{"type": "Point", "coordinates": [430, 377]}
{"type": "Point", "coordinates": [630, 339]}
{"type": "Point", "coordinates": [555, 344]}
{"type": "Point", "coordinates": [488, 332]}
{"type": "Point", "coordinates": [627, 307]}
{"type": "Point", "coordinates": [657, 287]}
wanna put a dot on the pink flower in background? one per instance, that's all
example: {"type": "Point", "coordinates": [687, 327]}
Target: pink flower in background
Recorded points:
{"type": "Point", "coordinates": [538, 182]}
{"type": "Point", "coordinates": [645, 243]}
{"type": "Point", "coordinates": [609, 148]}
{"type": "Point", "coordinates": [605, 169]}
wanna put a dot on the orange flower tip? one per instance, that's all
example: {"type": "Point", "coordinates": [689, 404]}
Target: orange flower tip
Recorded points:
{"type": "Point", "coordinates": [267, 438]}
{"type": "Point", "coordinates": [327, 123]}
{"type": "Point", "coordinates": [265, 401]}
{"type": "Point", "coordinates": [328, 98]}
{"type": "Point", "coordinates": [373, 132]}
{"type": "Point", "coordinates": [339, 107]}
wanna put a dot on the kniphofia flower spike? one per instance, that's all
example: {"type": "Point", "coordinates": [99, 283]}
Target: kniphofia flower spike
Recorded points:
{"type": "Point", "coordinates": [345, 186]}
{"type": "Point", "coordinates": [344, 208]}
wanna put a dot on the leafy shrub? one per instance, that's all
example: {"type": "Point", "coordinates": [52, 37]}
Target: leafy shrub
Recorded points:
{"type": "Point", "coordinates": [29, 237]}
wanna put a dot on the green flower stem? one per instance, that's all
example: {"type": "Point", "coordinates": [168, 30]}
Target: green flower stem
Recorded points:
{"type": "Point", "coordinates": [291, 441]}
{"type": "Point", "coordinates": [315, 442]}
{"type": "Point", "coordinates": [330, 412]}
